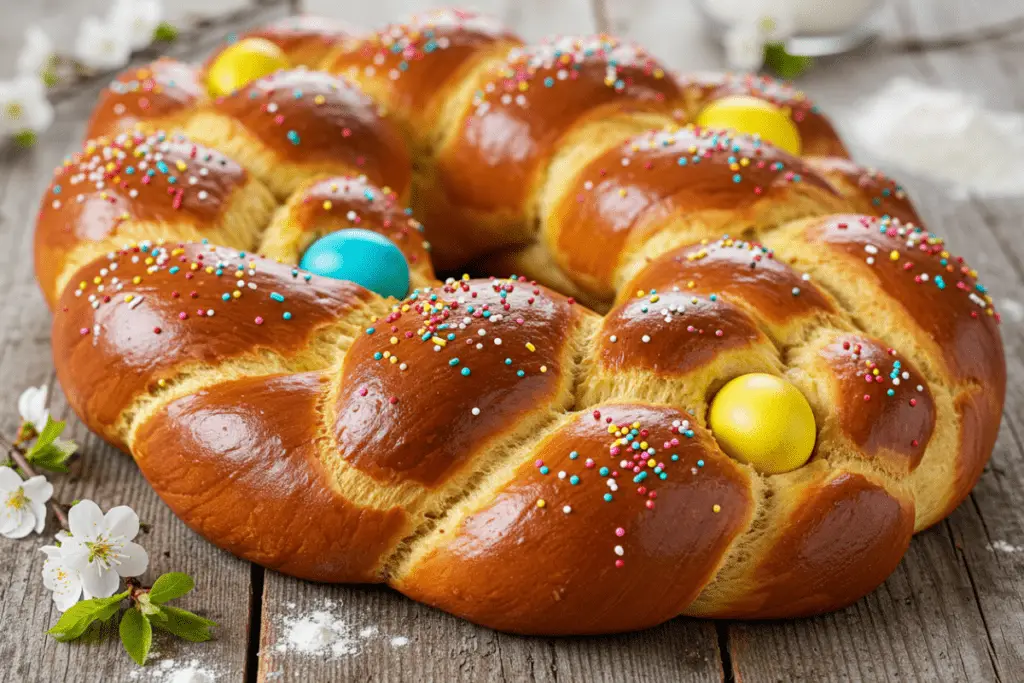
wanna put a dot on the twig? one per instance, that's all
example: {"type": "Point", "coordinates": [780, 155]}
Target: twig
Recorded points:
{"type": "Point", "coordinates": [954, 41]}
{"type": "Point", "coordinates": [601, 20]}
{"type": "Point", "coordinates": [17, 454]}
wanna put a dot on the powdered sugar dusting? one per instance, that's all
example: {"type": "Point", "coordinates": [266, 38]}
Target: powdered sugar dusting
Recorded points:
{"type": "Point", "coordinates": [946, 136]}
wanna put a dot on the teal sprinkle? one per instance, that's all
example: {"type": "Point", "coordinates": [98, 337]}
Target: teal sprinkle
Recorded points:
{"type": "Point", "coordinates": [688, 433]}
{"type": "Point", "coordinates": [574, 455]}
{"type": "Point", "coordinates": [574, 480]}
{"type": "Point", "coordinates": [453, 362]}
{"type": "Point", "coordinates": [520, 373]}
{"type": "Point", "coordinates": [293, 137]}
{"type": "Point", "coordinates": [607, 497]}
{"type": "Point", "coordinates": [287, 315]}
{"type": "Point", "coordinates": [508, 361]}
{"type": "Point", "coordinates": [544, 469]}
{"type": "Point", "coordinates": [378, 355]}
{"type": "Point", "coordinates": [640, 477]}
{"type": "Point", "coordinates": [890, 392]}
{"type": "Point", "coordinates": [603, 471]}
{"type": "Point", "coordinates": [700, 463]}
{"type": "Point", "coordinates": [174, 270]}
{"type": "Point", "coordinates": [225, 297]}
{"type": "Point", "coordinates": [276, 297]}
{"type": "Point", "coordinates": [663, 476]}
{"type": "Point", "coordinates": [675, 457]}
{"type": "Point", "coordinates": [465, 372]}
{"type": "Point", "coordinates": [371, 330]}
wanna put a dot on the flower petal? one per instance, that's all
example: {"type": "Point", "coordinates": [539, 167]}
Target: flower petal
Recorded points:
{"type": "Point", "coordinates": [51, 551]}
{"type": "Point", "coordinates": [10, 518]}
{"type": "Point", "coordinates": [134, 560]}
{"type": "Point", "coordinates": [99, 581]}
{"type": "Point", "coordinates": [39, 512]}
{"type": "Point", "coordinates": [76, 555]}
{"type": "Point", "coordinates": [122, 522]}
{"type": "Point", "coordinates": [9, 479]}
{"type": "Point", "coordinates": [69, 594]}
{"type": "Point", "coordinates": [86, 520]}
{"type": "Point", "coordinates": [32, 406]}
{"type": "Point", "coordinates": [24, 527]}
{"type": "Point", "coordinates": [38, 489]}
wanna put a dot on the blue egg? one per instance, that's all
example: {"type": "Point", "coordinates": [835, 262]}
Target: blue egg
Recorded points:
{"type": "Point", "coordinates": [360, 256]}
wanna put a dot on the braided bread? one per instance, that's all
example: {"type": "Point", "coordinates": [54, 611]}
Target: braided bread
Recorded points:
{"type": "Point", "coordinates": [493, 447]}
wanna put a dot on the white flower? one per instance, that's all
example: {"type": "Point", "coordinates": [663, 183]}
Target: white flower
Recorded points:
{"type": "Point", "coordinates": [23, 503]}
{"type": "Point", "coordinates": [59, 577]}
{"type": "Point", "coordinates": [102, 45]}
{"type": "Point", "coordinates": [23, 106]}
{"type": "Point", "coordinates": [100, 547]}
{"type": "Point", "coordinates": [37, 53]}
{"type": "Point", "coordinates": [744, 47]}
{"type": "Point", "coordinates": [137, 19]}
{"type": "Point", "coordinates": [32, 407]}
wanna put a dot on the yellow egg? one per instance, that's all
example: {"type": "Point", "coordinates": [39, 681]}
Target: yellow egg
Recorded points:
{"type": "Point", "coordinates": [765, 421]}
{"type": "Point", "coordinates": [753, 115]}
{"type": "Point", "coordinates": [244, 62]}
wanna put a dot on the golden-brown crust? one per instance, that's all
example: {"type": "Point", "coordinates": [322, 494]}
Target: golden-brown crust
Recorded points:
{"type": "Point", "coordinates": [282, 508]}
{"type": "Point", "coordinates": [672, 333]}
{"type": "Point", "coordinates": [665, 179]}
{"type": "Point", "coordinates": [139, 318]}
{"type": "Point", "coordinates": [305, 39]}
{"type": "Point", "coordinates": [320, 122]}
{"type": "Point", "coordinates": [521, 108]}
{"type": "Point", "coordinates": [396, 388]}
{"type": "Point", "coordinates": [529, 569]}
{"type": "Point", "coordinates": [157, 96]}
{"type": "Point", "coordinates": [869, 191]}
{"type": "Point", "coordinates": [130, 179]}
{"type": "Point", "coordinates": [834, 539]}
{"type": "Point", "coordinates": [817, 135]}
{"type": "Point", "coordinates": [883, 403]}
{"type": "Point", "coordinates": [412, 65]}
{"type": "Point", "coordinates": [937, 290]}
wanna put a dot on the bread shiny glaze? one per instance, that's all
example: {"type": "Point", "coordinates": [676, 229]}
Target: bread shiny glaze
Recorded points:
{"type": "Point", "coordinates": [491, 446]}
{"type": "Point", "coordinates": [159, 96]}
{"type": "Point", "coordinates": [305, 39]}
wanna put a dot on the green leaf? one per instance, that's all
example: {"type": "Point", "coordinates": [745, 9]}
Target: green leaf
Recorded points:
{"type": "Point", "coordinates": [165, 32]}
{"type": "Point", "coordinates": [170, 586]}
{"type": "Point", "coordinates": [51, 431]}
{"type": "Point", "coordinates": [784, 64]}
{"type": "Point", "coordinates": [136, 635]}
{"type": "Point", "coordinates": [54, 456]}
{"type": "Point", "coordinates": [184, 624]}
{"type": "Point", "coordinates": [74, 622]}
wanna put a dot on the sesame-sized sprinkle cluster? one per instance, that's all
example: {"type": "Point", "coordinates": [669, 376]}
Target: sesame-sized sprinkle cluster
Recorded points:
{"type": "Point", "coordinates": [631, 461]}
{"type": "Point", "coordinates": [739, 158]}
{"type": "Point", "coordinates": [887, 188]}
{"type": "Point", "coordinates": [418, 39]}
{"type": "Point", "coordinates": [890, 378]}
{"type": "Point", "coordinates": [563, 59]}
{"type": "Point", "coordinates": [163, 77]}
{"type": "Point", "coordinates": [463, 332]}
{"type": "Point", "coordinates": [757, 253]}
{"type": "Point", "coordinates": [962, 277]}
{"type": "Point", "coordinates": [652, 303]}
{"type": "Point", "coordinates": [782, 94]}
{"type": "Point", "coordinates": [283, 94]}
{"type": "Point", "coordinates": [233, 275]}
{"type": "Point", "coordinates": [336, 196]}
{"type": "Point", "coordinates": [164, 168]}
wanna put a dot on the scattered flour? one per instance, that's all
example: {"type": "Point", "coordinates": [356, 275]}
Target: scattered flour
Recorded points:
{"type": "Point", "coordinates": [1004, 547]}
{"type": "Point", "coordinates": [171, 671]}
{"type": "Point", "coordinates": [322, 632]}
{"type": "Point", "coordinates": [946, 136]}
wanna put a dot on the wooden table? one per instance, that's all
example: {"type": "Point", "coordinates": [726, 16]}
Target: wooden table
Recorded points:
{"type": "Point", "coordinates": [952, 611]}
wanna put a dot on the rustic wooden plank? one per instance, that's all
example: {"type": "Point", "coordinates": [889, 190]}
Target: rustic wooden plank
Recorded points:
{"type": "Point", "coordinates": [440, 647]}
{"type": "Point", "coordinates": [102, 474]}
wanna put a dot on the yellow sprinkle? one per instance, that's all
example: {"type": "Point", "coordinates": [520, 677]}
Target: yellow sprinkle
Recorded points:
{"type": "Point", "coordinates": [716, 508]}
{"type": "Point", "coordinates": [194, 266]}
{"type": "Point", "coordinates": [327, 204]}
{"type": "Point", "coordinates": [96, 280]}
{"type": "Point", "coordinates": [543, 368]}
{"type": "Point", "coordinates": [209, 269]}
{"type": "Point", "coordinates": [541, 503]}
{"type": "Point", "coordinates": [387, 354]}
{"type": "Point", "coordinates": [439, 341]}
{"type": "Point", "coordinates": [128, 298]}
{"type": "Point", "coordinates": [319, 99]}
{"type": "Point", "coordinates": [652, 462]}
{"type": "Point", "coordinates": [612, 429]}
{"type": "Point", "coordinates": [161, 383]}
{"type": "Point", "coordinates": [181, 165]}
{"type": "Point", "coordinates": [530, 347]}
{"type": "Point", "coordinates": [394, 340]}
{"type": "Point", "coordinates": [394, 359]}
{"type": "Point", "coordinates": [894, 255]}
{"type": "Point", "coordinates": [136, 280]}
{"type": "Point", "coordinates": [236, 294]}
{"type": "Point", "coordinates": [639, 292]}
{"type": "Point", "coordinates": [655, 299]}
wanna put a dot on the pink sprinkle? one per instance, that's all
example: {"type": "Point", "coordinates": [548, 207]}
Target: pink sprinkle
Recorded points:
{"type": "Point", "coordinates": [619, 563]}
{"type": "Point", "coordinates": [259, 320]}
{"type": "Point", "coordinates": [620, 532]}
